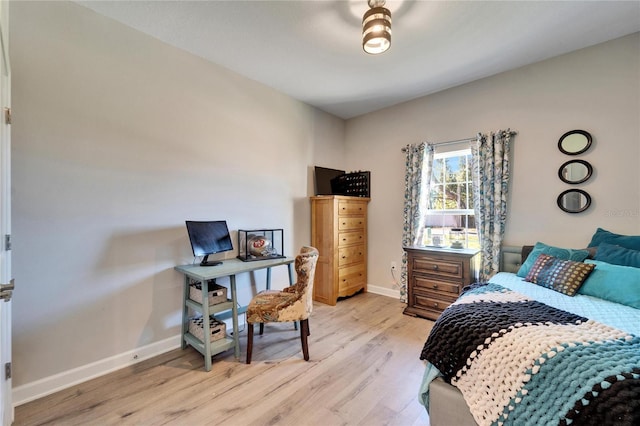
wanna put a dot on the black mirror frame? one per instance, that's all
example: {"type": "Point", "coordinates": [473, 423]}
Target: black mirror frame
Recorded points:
{"type": "Point", "coordinates": [572, 132]}
{"type": "Point", "coordinates": [580, 191]}
{"type": "Point", "coordinates": [575, 182]}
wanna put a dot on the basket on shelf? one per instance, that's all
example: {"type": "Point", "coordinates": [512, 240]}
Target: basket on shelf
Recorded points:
{"type": "Point", "coordinates": [217, 328]}
{"type": "Point", "coordinates": [217, 293]}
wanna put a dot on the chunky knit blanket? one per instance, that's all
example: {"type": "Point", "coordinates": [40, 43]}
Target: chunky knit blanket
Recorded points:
{"type": "Point", "coordinates": [519, 361]}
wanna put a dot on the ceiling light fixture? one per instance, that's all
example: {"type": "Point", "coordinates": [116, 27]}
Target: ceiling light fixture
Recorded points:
{"type": "Point", "coordinates": [376, 28]}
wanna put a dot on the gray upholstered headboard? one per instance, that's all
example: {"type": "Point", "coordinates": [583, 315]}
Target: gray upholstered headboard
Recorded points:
{"type": "Point", "coordinates": [512, 257]}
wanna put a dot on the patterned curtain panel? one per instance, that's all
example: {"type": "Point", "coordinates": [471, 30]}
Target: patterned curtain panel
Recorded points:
{"type": "Point", "coordinates": [490, 167]}
{"type": "Point", "coordinates": [419, 160]}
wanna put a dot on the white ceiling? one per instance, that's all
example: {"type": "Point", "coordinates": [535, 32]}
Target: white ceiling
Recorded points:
{"type": "Point", "coordinates": [311, 50]}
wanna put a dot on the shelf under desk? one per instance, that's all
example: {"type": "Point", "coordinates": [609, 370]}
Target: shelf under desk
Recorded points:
{"type": "Point", "coordinates": [229, 268]}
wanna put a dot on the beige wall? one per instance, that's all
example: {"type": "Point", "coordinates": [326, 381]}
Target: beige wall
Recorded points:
{"type": "Point", "coordinates": [596, 89]}
{"type": "Point", "coordinates": [117, 140]}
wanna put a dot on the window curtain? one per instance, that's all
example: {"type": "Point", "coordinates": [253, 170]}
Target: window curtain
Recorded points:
{"type": "Point", "coordinates": [490, 180]}
{"type": "Point", "coordinates": [418, 162]}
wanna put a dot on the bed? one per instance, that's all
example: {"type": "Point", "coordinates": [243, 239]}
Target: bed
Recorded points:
{"type": "Point", "coordinates": [512, 351]}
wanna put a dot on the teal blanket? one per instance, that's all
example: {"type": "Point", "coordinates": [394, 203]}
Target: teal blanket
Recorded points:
{"type": "Point", "coordinates": [519, 361]}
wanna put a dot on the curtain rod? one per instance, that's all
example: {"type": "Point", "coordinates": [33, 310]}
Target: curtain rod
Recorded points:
{"type": "Point", "coordinates": [448, 142]}
{"type": "Point", "coordinates": [457, 141]}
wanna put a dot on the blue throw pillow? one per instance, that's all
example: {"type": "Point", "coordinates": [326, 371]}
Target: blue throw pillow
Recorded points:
{"type": "Point", "coordinates": [626, 241]}
{"type": "Point", "coordinates": [618, 255]}
{"type": "Point", "coordinates": [616, 283]}
{"type": "Point", "coordinates": [560, 253]}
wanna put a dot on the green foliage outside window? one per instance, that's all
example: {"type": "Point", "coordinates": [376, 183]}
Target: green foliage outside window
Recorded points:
{"type": "Point", "coordinates": [451, 196]}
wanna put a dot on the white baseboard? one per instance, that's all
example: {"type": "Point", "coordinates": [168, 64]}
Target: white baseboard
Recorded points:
{"type": "Point", "coordinates": [47, 386]}
{"type": "Point", "coordinates": [38, 389]}
{"type": "Point", "coordinates": [384, 291]}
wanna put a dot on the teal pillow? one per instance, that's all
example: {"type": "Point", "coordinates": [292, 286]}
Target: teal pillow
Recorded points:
{"type": "Point", "coordinates": [616, 283]}
{"type": "Point", "coordinates": [560, 253]}
{"type": "Point", "coordinates": [626, 241]}
{"type": "Point", "coordinates": [618, 255]}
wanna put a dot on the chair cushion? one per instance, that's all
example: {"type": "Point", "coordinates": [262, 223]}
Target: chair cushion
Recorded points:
{"type": "Point", "coordinates": [275, 306]}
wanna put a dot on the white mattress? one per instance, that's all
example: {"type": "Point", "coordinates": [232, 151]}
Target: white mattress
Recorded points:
{"type": "Point", "coordinates": [614, 314]}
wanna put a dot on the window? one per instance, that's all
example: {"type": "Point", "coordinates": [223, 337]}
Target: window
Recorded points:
{"type": "Point", "coordinates": [451, 200]}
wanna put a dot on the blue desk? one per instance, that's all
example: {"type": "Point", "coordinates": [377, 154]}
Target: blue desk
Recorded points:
{"type": "Point", "coordinates": [202, 274]}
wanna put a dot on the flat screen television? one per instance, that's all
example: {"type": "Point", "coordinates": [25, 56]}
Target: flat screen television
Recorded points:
{"type": "Point", "coordinates": [323, 178]}
{"type": "Point", "coordinates": [209, 237]}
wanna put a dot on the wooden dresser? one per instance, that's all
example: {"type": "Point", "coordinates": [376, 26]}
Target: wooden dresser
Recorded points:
{"type": "Point", "coordinates": [339, 232]}
{"type": "Point", "coordinates": [436, 277]}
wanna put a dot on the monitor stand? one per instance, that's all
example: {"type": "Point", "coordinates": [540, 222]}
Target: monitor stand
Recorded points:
{"type": "Point", "coordinates": [207, 262]}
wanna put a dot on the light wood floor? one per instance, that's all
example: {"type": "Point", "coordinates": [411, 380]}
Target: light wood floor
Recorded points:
{"type": "Point", "coordinates": [364, 369]}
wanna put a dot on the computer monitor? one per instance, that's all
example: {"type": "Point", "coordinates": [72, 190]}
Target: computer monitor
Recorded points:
{"type": "Point", "coordinates": [209, 237]}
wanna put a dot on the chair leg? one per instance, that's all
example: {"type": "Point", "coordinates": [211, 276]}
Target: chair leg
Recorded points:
{"type": "Point", "coordinates": [304, 332]}
{"type": "Point", "coordinates": [261, 328]}
{"type": "Point", "coordinates": [308, 328]}
{"type": "Point", "coordinates": [249, 342]}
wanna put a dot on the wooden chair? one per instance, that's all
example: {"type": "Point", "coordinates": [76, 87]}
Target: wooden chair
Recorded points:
{"type": "Point", "coordinates": [293, 303]}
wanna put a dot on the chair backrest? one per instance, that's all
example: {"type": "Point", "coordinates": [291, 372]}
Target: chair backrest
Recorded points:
{"type": "Point", "coordinates": [305, 266]}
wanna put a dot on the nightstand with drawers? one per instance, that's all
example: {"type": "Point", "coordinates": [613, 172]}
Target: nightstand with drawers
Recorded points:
{"type": "Point", "coordinates": [436, 276]}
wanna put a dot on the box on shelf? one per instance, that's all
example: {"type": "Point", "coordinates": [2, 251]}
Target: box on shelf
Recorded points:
{"type": "Point", "coordinates": [217, 293]}
{"type": "Point", "coordinates": [217, 329]}
{"type": "Point", "coordinates": [260, 244]}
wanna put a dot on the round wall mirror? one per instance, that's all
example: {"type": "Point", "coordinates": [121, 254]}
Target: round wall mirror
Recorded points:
{"type": "Point", "coordinates": [574, 142]}
{"type": "Point", "coordinates": [574, 201]}
{"type": "Point", "coordinates": [575, 171]}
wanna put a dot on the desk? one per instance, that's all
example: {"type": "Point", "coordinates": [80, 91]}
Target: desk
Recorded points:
{"type": "Point", "coordinates": [229, 268]}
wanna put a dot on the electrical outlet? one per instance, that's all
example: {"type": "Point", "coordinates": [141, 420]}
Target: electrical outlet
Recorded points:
{"type": "Point", "coordinates": [393, 266]}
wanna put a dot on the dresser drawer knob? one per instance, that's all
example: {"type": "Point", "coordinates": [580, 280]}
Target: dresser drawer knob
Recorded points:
{"type": "Point", "coordinates": [435, 305]}
{"type": "Point", "coordinates": [435, 286]}
{"type": "Point", "coordinates": [344, 257]}
{"type": "Point", "coordinates": [435, 267]}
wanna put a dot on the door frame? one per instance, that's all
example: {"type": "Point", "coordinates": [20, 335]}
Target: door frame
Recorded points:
{"type": "Point", "coordinates": [6, 400]}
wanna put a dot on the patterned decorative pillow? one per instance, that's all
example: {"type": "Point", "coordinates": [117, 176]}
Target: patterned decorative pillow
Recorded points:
{"type": "Point", "coordinates": [563, 276]}
{"type": "Point", "coordinates": [559, 252]}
